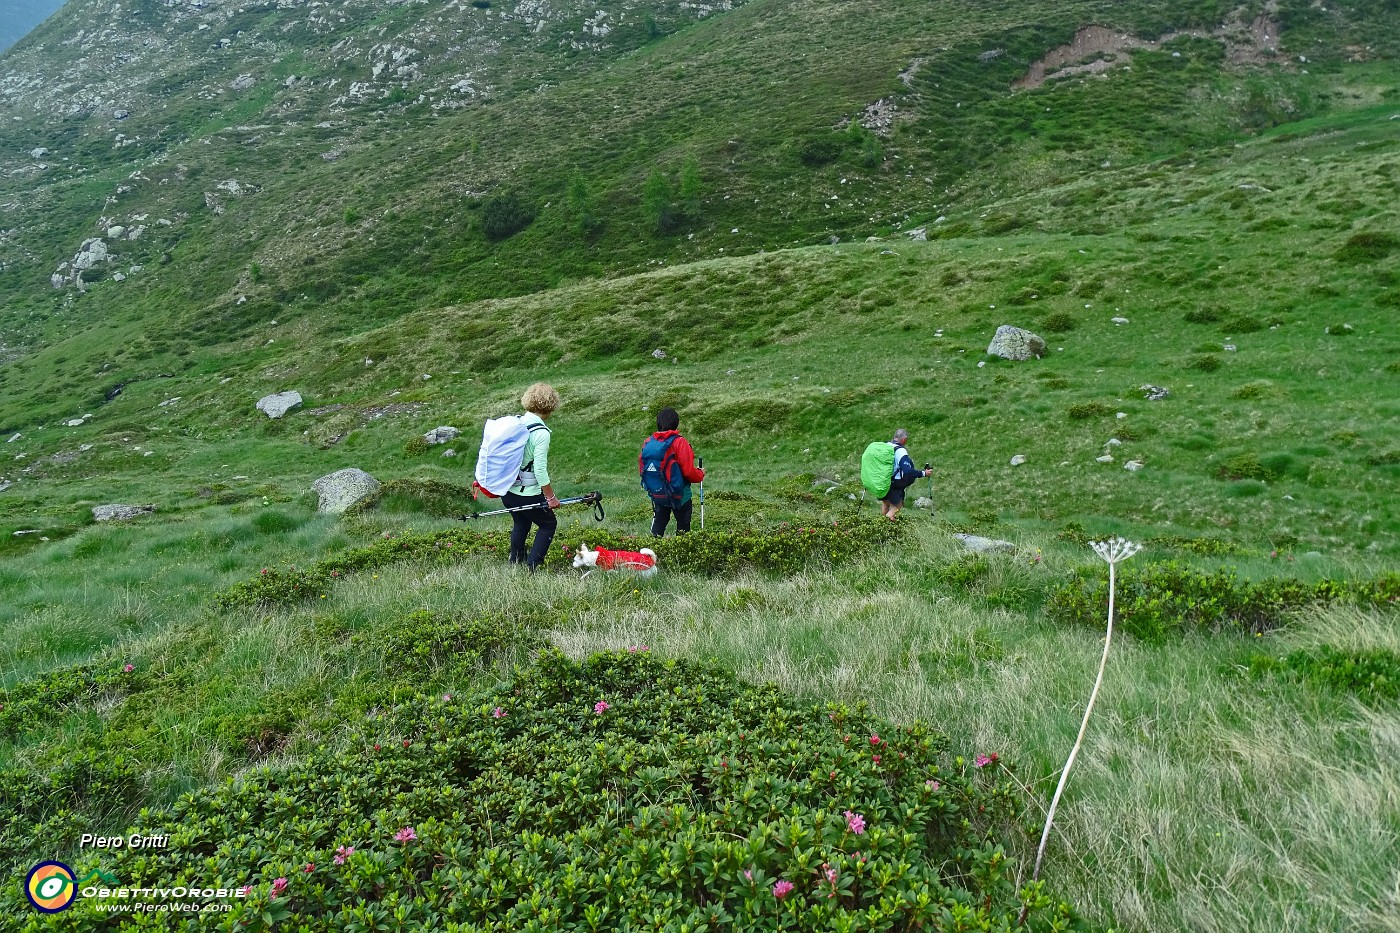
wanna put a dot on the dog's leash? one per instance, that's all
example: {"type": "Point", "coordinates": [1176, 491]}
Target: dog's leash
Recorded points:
{"type": "Point", "coordinates": [594, 498]}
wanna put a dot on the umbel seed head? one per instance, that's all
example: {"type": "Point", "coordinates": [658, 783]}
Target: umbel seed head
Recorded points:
{"type": "Point", "coordinates": [1115, 549]}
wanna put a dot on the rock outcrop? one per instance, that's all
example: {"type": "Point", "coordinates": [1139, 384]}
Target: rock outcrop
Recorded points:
{"type": "Point", "coordinates": [120, 513]}
{"type": "Point", "coordinates": [1013, 343]}
{"type": "Point", "coordinates": [275, 406]}
{"type": "Point", "coordinates": [342, 489]}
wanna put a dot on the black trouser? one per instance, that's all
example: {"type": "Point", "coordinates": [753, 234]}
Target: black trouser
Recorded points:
{"type": "Point", "coordinates": [661, 514]}
{"type": "Point", "coordinates": [543, 516]}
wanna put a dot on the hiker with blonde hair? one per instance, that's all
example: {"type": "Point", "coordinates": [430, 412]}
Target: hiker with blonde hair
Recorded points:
{"type": "Point", "coordinates": [533, 487]}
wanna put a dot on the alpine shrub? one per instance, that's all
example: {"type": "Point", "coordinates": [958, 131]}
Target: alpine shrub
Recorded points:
{"type": "Point", "coordinates": [504, 215]}
{"type": "Point", "coordinates": [1372, 674]}
{"type": "Point", "coordinates": [786, 549]}
{"type": "Point", "coordinates": [1058, 323]}
{"type": "Point", "coordinates": [622, 792]}
{"type": "Point", "coordinates": [1086, 410]}
{"type": "Point", "coordinates": [1368, 245]}
{"type": "Point", "coordinates": [1168, 598]}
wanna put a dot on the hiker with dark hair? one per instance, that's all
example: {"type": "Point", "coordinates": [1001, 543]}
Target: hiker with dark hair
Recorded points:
{"type": "Point", "coordinates": [667, 466]}
{"type": "Point", "coordinates": [532, 485]}
{"type": "Point", "coordinates": [904, 475]}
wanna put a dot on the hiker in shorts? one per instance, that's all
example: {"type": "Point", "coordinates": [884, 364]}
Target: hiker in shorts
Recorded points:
{"type": "Point", "coordinates": [904, 476]}
{"type": "Point", "coordinates": [667, 467]}
{"type": "Point", "coordinates": [532, 486]}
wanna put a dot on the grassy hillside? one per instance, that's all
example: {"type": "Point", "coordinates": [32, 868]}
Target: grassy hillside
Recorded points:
{"type": "Point", "coordinates": [678, 188]}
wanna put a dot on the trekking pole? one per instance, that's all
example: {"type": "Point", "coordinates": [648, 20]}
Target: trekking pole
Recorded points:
{"type": "Point", "coordinates": [701, 463]}
{"type": "Point", "coordinates": [594, 498]}
{"type": "Point", "coordinates": [928, 471]}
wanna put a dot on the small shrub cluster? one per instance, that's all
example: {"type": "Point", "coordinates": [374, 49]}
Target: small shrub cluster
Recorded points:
{"type": "Point", "coordinates": [431, 497]}
{"type": "Point", "coordinates": [1209, 547]}
{"type": "Point", "coordinates": [1242, 324]}
{"type": "Point", "coordinates": [1260, 388]}
{"type": "Point", "coordinates": [962, 572]}
{"type": "Point", "coordinates": [1086, 410]}
{"type": "Point", "coordinates": [622, 792]}
{"type": "Point", "coordinates": [1372, 674]}
{"type": "Point", "coordinates": [30, 705]}
{"type": "Point", "coordinates": [1168, 598]}
{"type": "Point", "coordinates": [1368, 245]}
{"type": "Point", "coordinates": [425, 642]}
{"type": "Point", "coordinates": [504, 215]}
{"type": "Point", "coordinates": [1207, 363]}
{"type": "Point", "coordinates": [1202, 316]}
{"type": "Point", "coordinates": [1384, 458]}
{"type": "Point", "coordinates": [786, 549]}
{"type": "Point", "coordinates": [415, 446]}
{"type": "Point", "coordinates": [1245, 466]}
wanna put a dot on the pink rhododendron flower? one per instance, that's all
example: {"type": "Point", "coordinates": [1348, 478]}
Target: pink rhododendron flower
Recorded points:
{"type": "Point", "coordinates": [278, 887]}
{"type": "Point", "coordinates": [498, 713]}
{"type": "Point", "coordinates": [983, 760]}
{"type": "Point", "coordinates": [874, 740]}
{"type": "Point", "coordinates": [781, 889]}
{"type": "Point", "coordinates": [932, 784]}
{"type": "Point", "coordinates": [343, 853]}
{"type": "Point", "coordinates": [855, 822]}
{"type": "Point", "coordinates": [600, 706]}
{"type": "Point", "coordinates": [405, 835]}
{"type": "Point", "coordinates": [309, 868]}
{"type": "Point", "coordinates": [875, 758]}
{"type": "Point", "coordinates": [129, 668]}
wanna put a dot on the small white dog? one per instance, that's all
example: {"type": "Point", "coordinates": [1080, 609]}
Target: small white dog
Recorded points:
{"type": "Point", "coordinates": [642, 562]}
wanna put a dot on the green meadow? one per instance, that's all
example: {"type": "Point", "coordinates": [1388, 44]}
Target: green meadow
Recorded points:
{"type": "Point", "coordinates": [275, 687]}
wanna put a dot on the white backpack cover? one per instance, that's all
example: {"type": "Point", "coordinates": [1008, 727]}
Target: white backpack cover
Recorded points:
{"type": "Point", "coordinates": [502, 451]}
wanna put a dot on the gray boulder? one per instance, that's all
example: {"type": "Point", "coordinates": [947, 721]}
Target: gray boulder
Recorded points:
{"type": "Point", "coordinates": [120, 513]}
{"type": "Point", "coordinates": [342, 489]}
{"type": "Point", "coordinates": [441, 435]}
{"type": "Point", "coordinates": [275, 406]}
{"type": "Point", "coordinates": [979, 545]}
{"type": "Point", "coordinates": [1013, 343]}
{"type": "Point", "coordinates": [90, 254]}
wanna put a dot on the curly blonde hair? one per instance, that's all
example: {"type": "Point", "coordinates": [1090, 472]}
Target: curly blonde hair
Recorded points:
{"type": "Point", "coordinates": [540, 398]}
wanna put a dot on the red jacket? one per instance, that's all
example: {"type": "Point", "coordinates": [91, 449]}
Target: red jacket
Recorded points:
{"type": "Point", "coordinates": [685, 456]}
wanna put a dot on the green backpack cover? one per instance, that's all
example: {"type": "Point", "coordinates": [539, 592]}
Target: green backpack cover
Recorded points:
{"type": "Point", "coordinates": [877, 468]}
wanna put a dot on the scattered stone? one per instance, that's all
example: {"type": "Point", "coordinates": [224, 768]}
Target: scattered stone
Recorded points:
{"type": "Point", "coordinates": [441, 435]}
{"type": "Point", "coordinates": [1133, 465]}
{"type": "Point", "coordinates": [426, 376]}
{"type": "Point", "coordinates": [120, 513]}
{"type": "Point", "coordinates": [1230, 348]}
{"type": "Point", "coordinates": [242, 82]}
{"type": "Point", "coordinates": [74, 422]}
{"type": "Point", "coordinates": [1112, 442]}
{"type": "Point", "coordinates": [1013, 343]}
{"type": "Point", "coordinates": [118, 277]}
{"type": "Point", "coordinates": [1018, 459]}
{"type": "Point", "coordinates": [1106, 458]}
{"type": "Point", "coordinates": [1121, 415]}
{"type": "Point", "coordinates": [923, 502]}
{"type": "Point", "coordinates": [38, 153]}
{"type": "Point", "coordinates": [1154, 393]}
{"type": "Point", "coordinates": [1120, 320]}
{"type": "Point", "coordinates": [918, 233]}
{"type": "Point", "coordinates": [26, 531]}
{"type": "Point", "coordinates": [90, 254]}
{"type": "Point", "coordinates": [16, 436]}
{"type": "Point", "coordinates": [980, 545]}
{"type": "Point", "coordinates": [275, 406]}
{"type": "Point", "coordinates": [5, 485]}
{"type": "Point", "coordinates": [116, 232]}
{"type": "Point", "coordinates": [833, 239]}
{"type": "Point", "coordinates": [658, 354]}
{"type": "Point", "coordinates": [120, 114]}
{"type": "Point", "coordinates": [168, 402]}
{"type": "Point", "coordinates": [342, 489]}
{"type": "Point", "coordinates": [449, 452]}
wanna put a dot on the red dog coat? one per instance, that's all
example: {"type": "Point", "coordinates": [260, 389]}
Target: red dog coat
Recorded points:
{"type": "Point", "coordinates": [624, 560]}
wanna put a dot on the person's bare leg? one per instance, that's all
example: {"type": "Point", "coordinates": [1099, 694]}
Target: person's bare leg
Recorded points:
{"type": "Point", "coordinates": [893, 513]}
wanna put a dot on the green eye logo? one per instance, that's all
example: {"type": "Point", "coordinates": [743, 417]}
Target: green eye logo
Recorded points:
{"type": "Point", "coordinates": [51, 887]}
